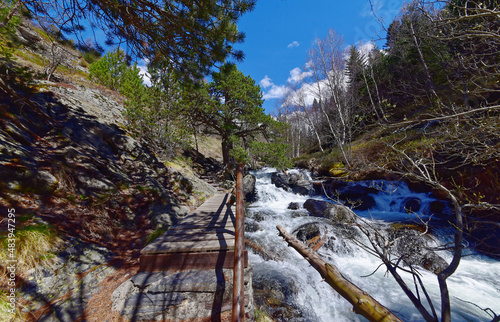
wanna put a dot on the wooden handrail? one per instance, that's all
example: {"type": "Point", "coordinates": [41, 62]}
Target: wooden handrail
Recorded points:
{"type": "Point", "coordinates": [238, 276]}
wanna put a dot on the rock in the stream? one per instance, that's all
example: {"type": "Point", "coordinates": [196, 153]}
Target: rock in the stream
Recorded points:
{"type": "Point", "coordinates": [249, 188]}
{"type": "Point", "coordinates": [415, 247]}
{"type": "Point", "coordinates": [357, 196]}
{"type": "Point", "coordinates": [336, 213]}
{"type": "Point", "coordinates": [307, 231]}
{"type": "Point", "coordinates": [294, 181]}
{"type": "Point", "coordinates": [274, 293]}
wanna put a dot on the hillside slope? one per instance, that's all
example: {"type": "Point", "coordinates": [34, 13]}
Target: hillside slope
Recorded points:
{"type": "Point", "coordinates": [85, 195]}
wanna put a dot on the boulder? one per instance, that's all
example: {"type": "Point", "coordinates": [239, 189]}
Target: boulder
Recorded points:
{"type": "Point", "coordinates": [336, 213]}
{"type": "Point", "coordinates": [355, 195]}
{"type": "Point", "coordinates": [293, 206]}
{"type": "Point", "coordinates": [358, 195]}
{"type": "Point", "coordinates": [307, 232]}
{"type": "Point", "coordinates": [274, 293]}
{"type": "Point", "coordinates": [259, 215]}
{"type": "Point", "coordinates": [280, 180]}
{"type": "Point", "coordinates": [252, 226]}
{"type": "Point", "coordinates": [410, 205]}
{"type": "Point", "coordinates": [294, 181]}
{"type": "Point", "coordinates": [249, 188]}
{"type": "Point", "coordinates": [414, 247]}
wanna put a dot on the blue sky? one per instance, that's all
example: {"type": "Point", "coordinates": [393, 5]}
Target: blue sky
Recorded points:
{"type": "Point", "coordinates": [279, 34]}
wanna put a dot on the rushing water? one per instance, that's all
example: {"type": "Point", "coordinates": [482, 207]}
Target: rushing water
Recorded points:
{"type": "Point", "coordinates": [473, 287]}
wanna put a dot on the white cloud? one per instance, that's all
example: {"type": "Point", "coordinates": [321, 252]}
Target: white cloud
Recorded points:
{"type": "Point", "coordinates": [266, 82]}
{"type": "Point", "coordinates": [293, 44]}
{"type": "Point", "coordinates": [296, 75]}
{"type": "Point", "coordinates": [143, 66]}
{"type": "Point", "coordinates": [276, 92]}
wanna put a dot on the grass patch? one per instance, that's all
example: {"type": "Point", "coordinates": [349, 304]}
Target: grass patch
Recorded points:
{"type": "Point", "coordinates": [33, 243]}
{"type": "Point", "coordinates": [6, 312]}
{"type": "Point", "coordinates": [155, 234]}
{"type": "Point", "coordinates": [31, 57]}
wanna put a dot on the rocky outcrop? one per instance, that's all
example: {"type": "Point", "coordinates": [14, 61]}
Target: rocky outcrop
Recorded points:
{"type": "Point", "coordinates": [65, 158]}
{"type": "Point", "coordinates": [75, 150]}
{"type": "Point", "coordinates": [70, 280]}
{"type": "Point", "coordinates": [273, 293]}
{"type": "Point", "coordinates": [192, 294]}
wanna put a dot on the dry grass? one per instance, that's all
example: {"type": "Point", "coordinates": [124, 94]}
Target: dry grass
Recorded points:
{"type": "Point", "coordinates": [33, 244]}
{"type": "Point", "coordinates": [209, 146]}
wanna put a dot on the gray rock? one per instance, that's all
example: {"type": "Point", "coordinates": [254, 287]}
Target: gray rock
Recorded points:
{"type": "Point", "coordinates": [307, 231]}
{"type": "Point", "coordinates": [45, 182]}
{"type": "Point", "coordinates": [249, 188]}
{"type": "Point", "coordinates": [415, 248]}
{"type": "Point", "coordinates": [101, 185]}
{"type": "Point", "coordinates": [172, 295]}
{"type": "Point", "coordinates": [336, 213]}
{"type": "Point", "coordinates": [252, 226]}
{"type": "Point", "coordinates": [294, 181]}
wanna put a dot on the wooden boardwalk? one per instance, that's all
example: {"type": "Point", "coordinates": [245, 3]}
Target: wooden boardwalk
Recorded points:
{"type": "Point", "coordinates": [202, 240]}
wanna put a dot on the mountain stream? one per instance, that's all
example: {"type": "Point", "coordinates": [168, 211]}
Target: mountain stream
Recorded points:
{"type": "Point", "coordinates": [474, 287]}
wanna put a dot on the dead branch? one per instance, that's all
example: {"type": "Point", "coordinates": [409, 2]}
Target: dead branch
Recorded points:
{"type": "Point", "coordinates": [362, 302]}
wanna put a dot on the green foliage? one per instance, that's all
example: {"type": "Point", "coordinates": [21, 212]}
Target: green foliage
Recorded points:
{"type": "Point", "coordinates": [154, 113]}
{"type": "Point", "coordinates": [91, 55]}
{"type": "Point", "coordinates": [131, 84]}
{"type": "Point", "coordinates": [238, 151]}
{"type": "Point", "coordinates": [9, 21]}
{"type": "Point", "coordinates": [274, 154]}
{"type": "Point", "coordinates": [192, 35]}
{"type": "Point", "coordinates": [110, 69]}
{"type": "Point", "coordinates": [229, 106]}
{"type": "Point", "coordinates": [34, 243]}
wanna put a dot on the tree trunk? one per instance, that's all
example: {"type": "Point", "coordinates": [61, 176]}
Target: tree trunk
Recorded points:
{"type": "Point", "coordinates": [363, 303]}
{"type": "Point", "coordinates": [227, 145]}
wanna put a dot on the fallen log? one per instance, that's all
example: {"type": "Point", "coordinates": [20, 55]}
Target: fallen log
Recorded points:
{"type": "Point", "coordinates": [362, 302]}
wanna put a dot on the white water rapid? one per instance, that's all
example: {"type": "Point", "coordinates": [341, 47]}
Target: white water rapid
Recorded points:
{"type": "Point", "coordinates": [474, 286]}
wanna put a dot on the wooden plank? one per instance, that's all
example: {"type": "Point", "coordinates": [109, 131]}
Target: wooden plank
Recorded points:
{"type": "Point", "coordinates": [188, 246]}
{"type": "Point", "coordinates": [201, 226]}
{"type": "Point", "coordinates": [185, 261]}
{"type": "Point", "coordinates": [195, 237]}
{"type": "Point", "coordinates": [194, 231]}
{"type": "Point", "coordinates": [205, 223]}
{"type": "Point", "coordinates": [207, 218]}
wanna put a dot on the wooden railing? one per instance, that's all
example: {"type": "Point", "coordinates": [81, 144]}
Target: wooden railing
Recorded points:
{"type": "Point", "coordinates": [238, 276]}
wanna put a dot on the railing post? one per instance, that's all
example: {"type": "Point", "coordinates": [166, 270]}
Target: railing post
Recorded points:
{"type": "Point", "coordinates": [238, 280]}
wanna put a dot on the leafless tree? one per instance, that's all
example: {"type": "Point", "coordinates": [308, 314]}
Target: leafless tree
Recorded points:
{"type": "Point", "coordinates": [327, 59]}
{"type": "Point", "coordinates": [296, 102]}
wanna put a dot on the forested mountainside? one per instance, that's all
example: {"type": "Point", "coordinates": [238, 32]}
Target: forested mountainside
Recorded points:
{"type": "Point", "coordinates": [425, 106]}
